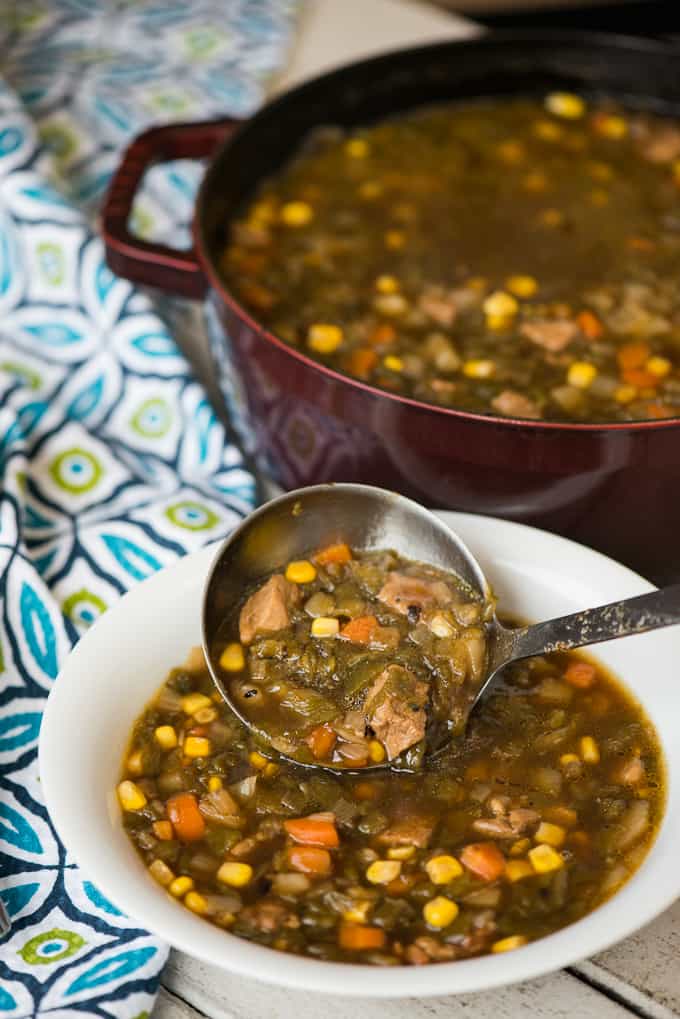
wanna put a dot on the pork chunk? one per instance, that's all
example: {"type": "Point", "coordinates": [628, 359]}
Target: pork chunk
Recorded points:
{"type": "Point", "coordinates": [401, 591]}
{"type": "Point", "coordinates": [515, 405]}
{"type": "Point", "coordinates": [268, 609]}
{"type": "Point", "coordinates": [551, 334]}
{"type": "Point", "coordinates": [414, 830]}
{"type": "Point", "coordinates": [268, 916]}
{"type": "Point", "coordinates": [395, 709]}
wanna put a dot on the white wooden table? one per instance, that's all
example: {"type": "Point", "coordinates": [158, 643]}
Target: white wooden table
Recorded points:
{"type": "Point", "coordinates": [639, 977]}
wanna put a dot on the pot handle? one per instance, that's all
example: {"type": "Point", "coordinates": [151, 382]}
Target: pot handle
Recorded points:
{"type": "Point", "coordinates": [174, 270]}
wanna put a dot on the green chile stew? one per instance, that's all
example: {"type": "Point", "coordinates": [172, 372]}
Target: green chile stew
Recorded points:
{"type": "Point", "coordinates": [505, 256]}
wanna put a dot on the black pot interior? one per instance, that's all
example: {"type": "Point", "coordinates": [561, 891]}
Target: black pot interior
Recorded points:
{"type": "Point", "coordinates": [639, 73]}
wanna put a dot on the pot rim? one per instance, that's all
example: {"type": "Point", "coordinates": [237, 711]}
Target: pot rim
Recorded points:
{"type": "Point", "coordinates": [487, 41]}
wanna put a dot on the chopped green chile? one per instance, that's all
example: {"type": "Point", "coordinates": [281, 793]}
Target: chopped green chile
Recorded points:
{"type": "Point", "coordinates": [540, 813]}
{"type": "Point", "coordinates": [502, 256]}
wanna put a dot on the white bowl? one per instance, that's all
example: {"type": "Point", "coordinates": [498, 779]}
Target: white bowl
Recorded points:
{"type": "Point", "coordinates": [117, 666]}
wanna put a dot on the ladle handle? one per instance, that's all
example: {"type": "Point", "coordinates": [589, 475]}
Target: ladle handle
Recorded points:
{"type": "Point", "coordinates": [618, 619]}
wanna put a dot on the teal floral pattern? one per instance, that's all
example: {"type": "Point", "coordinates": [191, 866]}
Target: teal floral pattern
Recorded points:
{"type": "Point", "coordinates": [112, 461]}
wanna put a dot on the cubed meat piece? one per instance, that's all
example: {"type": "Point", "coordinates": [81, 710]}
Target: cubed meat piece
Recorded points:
{"type": "Point", "coordinates": [401, 591]}
{"type": "Point", "coordinates": [395, 709]}
{"type": "Point", "coordinates": [439, 305]}
{"type": "Point", "coordinates": [630, 772]}
{"type": "Point", "coordinates": [413, 830]}
{"type": "Point", "coordinates": [515, 405]}
{"type": "Point", "coordinates": [268, 916]}
{"type": "Point", "coordinates": [268, 609]}
{"type": "Point", "coordinates": [221, 808]}
{"type": "Point", "coordinates": [551, 334]}
{"type": "Point", "coordinates": [523, 820]}
{"type": "Point", "coordinates": [428, 949]}
{"type": "Point", "coordinates": [494, 828]}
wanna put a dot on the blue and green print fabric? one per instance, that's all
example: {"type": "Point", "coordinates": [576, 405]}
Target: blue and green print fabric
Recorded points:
{"type": "Point", "coordinates": [112, 461]}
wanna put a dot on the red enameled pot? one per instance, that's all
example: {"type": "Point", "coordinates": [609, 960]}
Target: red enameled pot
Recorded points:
{"type": "Point", "coordinates": [615, 487]}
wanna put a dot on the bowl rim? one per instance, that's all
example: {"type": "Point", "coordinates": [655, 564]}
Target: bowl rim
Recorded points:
{"type": "Point", "coordinates": [488, 41]}
{"type": "Point", "coordinates": [606, 925]}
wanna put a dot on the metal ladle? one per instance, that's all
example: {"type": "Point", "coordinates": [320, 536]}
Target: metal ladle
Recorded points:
{"type": "Point", "coordinates": [367, 518]}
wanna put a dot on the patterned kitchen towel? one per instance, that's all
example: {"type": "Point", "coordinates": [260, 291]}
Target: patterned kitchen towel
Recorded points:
{"type": "Point", "coordinates": [112, 461]}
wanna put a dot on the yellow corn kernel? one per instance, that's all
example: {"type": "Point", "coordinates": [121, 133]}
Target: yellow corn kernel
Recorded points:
{"type": "Point", "coordinates": [214, 784]}
{"type": "Point", "coordinates": [479, 369]}
{"type": "Point", "coordinates": [257, 760]}
{"type": "Point", "coordinates": [296, 213]}
{"type": "Point", "coordinates": [550, 834]}
{"type": "Point", "coordinates": [324, 337]}
{"type": "Point", "coordinates": [196, 903]}
{"type": "Point", "coordinates": [520, 847]}
{"type": "Point", "coordinates": [508, 944]}
{"type": "Point", "coordinates": [590, 752]}
{"type": "Point", "coordinates": [135, 764]}
{"type": "Point", "coordinates": [401, 852]}
{"type": "Point", "coordinates": [440, 912]}
{"type": "Point", "coordinates": [325, 626]}
{"type": "Point", "coordinates": [544, 859]}
{"type": "Point", "coordinates": [565, 104]}
{"type": "Point", "coordinates": [197, 746]}
{"type": "Point", "coordinates": [381, 872]}
{"type": "Point", "coordinates": [393, 363]}
{"type": "Point", "coordinates": [535, 181]}
{"type": "Point", "coordinates": [271, 770]}
{"type": "Point", "coordinates": [521, 286]}
{"type": "Point", "coordinates": [370, 189]}
{"type": "Point", "coordinates": [612, 127]}
{"type": "Point", "coordinates": [501, 304]}
{"type": "Point", "coordinates": [394, 240]}
{"type": "Point", "coordinates": [161, 872]}
{"type": "Point", "coordinates": [511, 151]}
{"type": "Point", "coordinates": [659, 366]}
{"type": "Point", "coordinates": [237, 875]}
{"type": "Point", "coordinates": [193, 702]}
{"type": "Point", "coordinates": [166, 736]}
{"type": "Point", "coordinates": [131, 796]}
{"type": "Point", "coordinates": [300, 571]}
{"type": "Point", "coordinates": [358, 913]}
{"type": "Point", "coordinates": [392, 305]}
{"type": "Point", "coordinates": [517, 870]}
{"type": "Point", "coordinates": [625, 394]}
{"type": "Point", "coordinates": [205, 716]}
{"type": "Point", "coordinates": [581, 374]}
{"type": "Point", "coordinates": [180, 886]}
{"type": "Point", "coordinates": [547, 131]}
{"type": "Point", "coordinates": [567, 759]}
{"type": "Point", "coordinates": [232, 658]}
{"type": "Point", "coordinates": [376, 751]}
{"type": "Point", "coordinates": [387, 284]}
{"type": "Point", "coordinates": [552, 217]}
{"type": "Point", "coordinates": [442, 869]}
{"type": "Point", "coordinates": [357, 148]}
{"type": "Point", "coordinates": [601, 171]}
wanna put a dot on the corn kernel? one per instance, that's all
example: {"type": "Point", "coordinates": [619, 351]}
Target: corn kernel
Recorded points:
{"type": "Point", "coordinates": [214, 784]}
{"type": "Point", "coordinates": [324, 337]}
{"type": "Point", "coordinates": [508, 944]}
{"type": "Point", "coordinates": [358, 913]}
{"type": "Point", "coordinates": [300, 571]}
{"type": "Point", "coordinates": [376, 751]}
{"type": "Point", "coordinates": [161, 872]}
{"type": "Point", "coordinates": [205, 716]}
{"type": "Point", "coordinates": [357, 148]}
{"type": "Point", "coordinates": [370, 189]}
{"type": "Point", "coordinates": [659, 366]}
{"type": "Point", "coordinates": [392, 305]}
{"type": "Point", "coordinates": [521, 286]}
{"type": "Point", "coordinates": [547, 131]}
{"type": "Point", "coordinates": [511, 151]}
{"type": "Point", "coordinates": [193, 702]}
{"type": "Point", "coordinates": [442, 869]}
{"type": "Point", "coordinates": [440, 912]}
{"type": "Point", "coordinates": [601, 171]}
{"type": "Point", "coordinates": [257, 760]}
{"type": "Point", "coordinates": [296, 213]}
{"type": "Point", "coordinates": [196, 903]}
{"type": "Point", "coordinates": [270, 770]}
{"type": "Point", "coordinates": [395, 240]}
{"type": "Point", "coordinates": [611, 127]}
{"type": "Point", "coordinates": [500, 303]}
{"type": "Point", "coordinates": [180, 886]}
{"type": "Point", "coordinates": [237, 875]}
{"type": "Point", "coordinates": [520, 847]}
{"type": "Point", "coordinates": [590, 752]}
{"type": "Point", "coordinates": [197, 746]}
{"type": "Point", "coordinates": [565, 104]}
{"type": "Point", "coordinates": [163, 830]}
{"type": "Point", "coordinates": [393, 363]}
{"type": "Point", "coordinates": [550, 834]}
{"type": "Point", "coordinates": [381, 872]}
{"type": "Point", "coordinates": [567, 759]}
{"type": "Point", "coordinates": [135, 764]}
{"type": "Point", "coordinates": [232, 658]}
{"type": "Point", "coordinates": [401, 852]}
{"type": "Point", "coordinates": [325, 626]}
{"type": "Point", "coordinates": [625, 394]}
{"type": "Point", "coordinates": [581, 374]}
{"type": "Point", "coordinates": [544, 859]}
{"type": "Point", "coordinates": [166, 736]}
{"type": "Point", "coordinates": [479, 369]}
{"type": "Point", "coordinates": [535, 181]}
{"type": "Point", "coordinates": [517, 870]}
{"type": "Point", "coordinates": [131, 796]}
{"type": "Point", "coordinates": [387, 284]}
{"type": "Point", "coordinates": [552, 217]}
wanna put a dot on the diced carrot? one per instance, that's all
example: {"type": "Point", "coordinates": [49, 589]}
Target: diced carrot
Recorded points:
{"type": "Point", "coordinates": [163, 830]}
{"type": "Point", "coordinates": [360, 630]}
{"type": "Point", "coordinates": [639, 378]}
{"type": "Point", "coordinates": [356, 937]}
{"type": "Point", "coordinates": [484, 859]}
{"type": "Point", "coordinates": [186, 818]}
{"type": "Point", "coordinates": [321, 741]}
{"type": "Point", "coordinates": [361, 362]}
{"type": "Point", "coordinates": [657, 410]}
{"type": "Point", "coordinates": [590, 325]}
{"type": "Point", "coordinates": [339, 553]}
{"type": "Point", "coordinates": [310, 860]}
{"type": "Point", "coordinates": [633, 355]}
{"type": "Point", "coordinates": [383, 335]}
{"type": "Point", "coordinates": [311, 831]}
{"type": "Point", "coordinates": [580, 674]}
